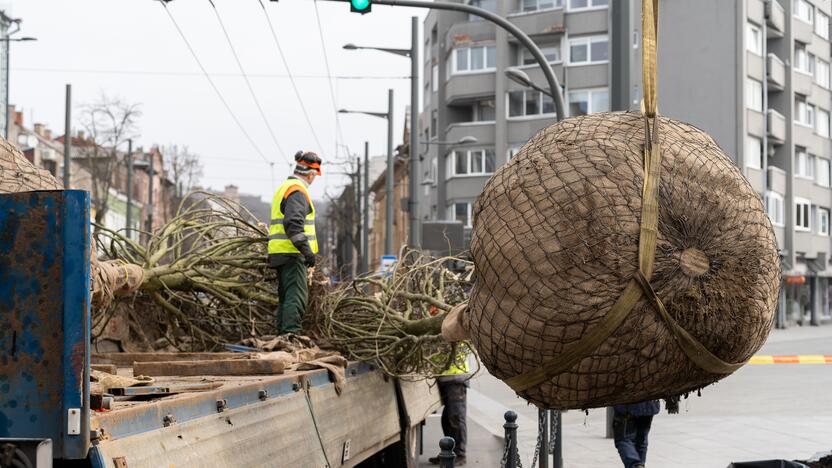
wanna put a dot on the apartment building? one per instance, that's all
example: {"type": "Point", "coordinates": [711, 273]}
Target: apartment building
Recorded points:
{"type": "Point", "coordinates": [754, 74]}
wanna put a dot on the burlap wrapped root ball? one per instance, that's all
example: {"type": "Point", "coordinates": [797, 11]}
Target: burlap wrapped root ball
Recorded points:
{"type": "Point", "coordinates": [555, 242]}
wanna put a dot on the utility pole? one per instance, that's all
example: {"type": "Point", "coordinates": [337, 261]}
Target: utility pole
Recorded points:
{"type": "Point", "coordinates": [413, 201]}
{"type": "Point", "coordinates": [365, 238]}
{"type": "Point", "coordinates": [129, 186]}
{"type": "Point", "coordinates": [388, 234]}
{"type": "Point", "coordinates": [361, 252]}
{"type": "Point", "coordinates": [67, 136]}
{"type": "Point", "coordinates": [150, 197]}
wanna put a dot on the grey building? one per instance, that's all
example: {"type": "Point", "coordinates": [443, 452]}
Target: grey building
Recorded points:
{"type": "Point", "coordinates": [754, 74]}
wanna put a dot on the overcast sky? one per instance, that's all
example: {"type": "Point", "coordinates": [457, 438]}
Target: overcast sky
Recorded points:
{"type": "Point", "coordinates": [131, 49]}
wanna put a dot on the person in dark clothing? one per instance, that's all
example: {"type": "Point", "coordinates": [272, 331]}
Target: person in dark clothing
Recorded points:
{"type": "Point", "coordinates": [292, 241]}
{"type": "Point", "coordinates": [630, 426]}
{"type": "Point", "coordinates": [453, 389]}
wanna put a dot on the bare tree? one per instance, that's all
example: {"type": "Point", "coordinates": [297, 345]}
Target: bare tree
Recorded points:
{"type": "Point", "coordinates": [183, 166]}
{"type": "Point", "coordinates": [107, 123]}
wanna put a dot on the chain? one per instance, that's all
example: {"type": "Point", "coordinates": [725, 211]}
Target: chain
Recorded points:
{"type": "Point", "coordinates": [504, 460]}
{"type": "Point", "coordinates": [541, 427]}
{"type": "Point", "coordinates": [553, 430]}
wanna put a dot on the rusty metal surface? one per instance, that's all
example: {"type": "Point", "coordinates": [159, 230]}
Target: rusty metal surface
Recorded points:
{"type": "Point", "coordinates": [44, 317]}
{"type": "Point", "coordinates": [277, 432]}
{"type": "Point", "coordinates": [421, 399]}
{"type": "Point", "coordinates": [365, 414]}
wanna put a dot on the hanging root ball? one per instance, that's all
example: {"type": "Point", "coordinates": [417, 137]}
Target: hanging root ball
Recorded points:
{"type": "Point", "coordinates": [556, 242]}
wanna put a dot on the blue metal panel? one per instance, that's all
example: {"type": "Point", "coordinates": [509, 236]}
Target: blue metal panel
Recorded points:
{"type": "Point", "coordinates": [44, 317]}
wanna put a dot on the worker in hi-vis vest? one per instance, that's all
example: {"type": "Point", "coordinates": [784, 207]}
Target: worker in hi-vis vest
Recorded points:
{"type": "Point", "coordinates": [292, 241]}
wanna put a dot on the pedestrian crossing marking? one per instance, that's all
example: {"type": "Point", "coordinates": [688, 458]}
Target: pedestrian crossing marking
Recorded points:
{"type": "Point", "coordinates": [792, 359]}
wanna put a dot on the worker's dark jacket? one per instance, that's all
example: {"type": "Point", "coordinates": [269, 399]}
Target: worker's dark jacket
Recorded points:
{"type": "Point", "coordinates": [295, 208]}
{"type": "Point", "coordinates": [645, 408]}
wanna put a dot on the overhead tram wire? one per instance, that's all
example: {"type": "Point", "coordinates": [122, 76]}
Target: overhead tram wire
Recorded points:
{"type": "Point", "coordinates": [94, 71]}
{"type": "Point", "coordinates": [214, 86]}
{"type": "Point", "coordinates": [248, 84]}
{"type": "Point", "coordinates": [291, 76]}
{"type": "Point", "coordinates": [340, 135]}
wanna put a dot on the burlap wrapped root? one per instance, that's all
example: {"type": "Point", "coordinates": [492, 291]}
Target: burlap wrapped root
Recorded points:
{"type": "Point", "coordinates": [556, 240]}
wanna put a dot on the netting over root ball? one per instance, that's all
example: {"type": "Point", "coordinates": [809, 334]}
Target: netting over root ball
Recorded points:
{"type": "Point", "coordinates": [555, 243]}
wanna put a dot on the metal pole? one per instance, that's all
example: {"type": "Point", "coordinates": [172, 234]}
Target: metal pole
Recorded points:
{"type": "Point", "coordinates": [150, 198]}
{"type": "Point", "coordinates": [413, 205]}
{"type": "Point", "coordinates": [129, 186]}
{"type": "Point", "coordinates": [6, 110]}
{"type": "Point", "coordinates": [510, 427]}
{"type": "Point", "coordinates": [610, 416]}
{"type": "Point", "coordinates": [558, 456]}
{"type": "Point", "coordinates": [446, 452]}
{"type": "Point", "coordinates": [543, 423]}
{"type": "Point", "coordinates": [388, 230]}
{"type": "Point", "coordinates": [365, 238]}
{"type": "Point", "coordinates": [361, 252]}
{"type": "Point", "coordinates": [67, 136]}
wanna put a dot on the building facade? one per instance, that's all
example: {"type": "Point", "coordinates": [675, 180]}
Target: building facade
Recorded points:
{"type": "Point", "coordinates": [754, 74]}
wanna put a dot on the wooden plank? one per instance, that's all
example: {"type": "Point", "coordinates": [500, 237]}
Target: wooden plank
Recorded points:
{"type": "Point", "coordinates": [127, 359]}
{"type": "Point", "coordinates": [108, 368]}
{"type": "Point", "coordinates": [218, 367]}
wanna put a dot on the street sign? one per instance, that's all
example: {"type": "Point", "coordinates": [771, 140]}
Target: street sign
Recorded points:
{"type": "Point", "coordinates": [388, 262]}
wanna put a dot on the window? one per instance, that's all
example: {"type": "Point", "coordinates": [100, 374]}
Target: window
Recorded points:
{"type": "Point", "coordinates": [485, 111]}
{"type": "Point", "coordinates": [754, 38]}
{"type": "Point", "coordinates": [538, 5]}
{"type": "Point", "coordinates": [804, 62]}
{"type": "Point", "coordinates": [802, 208]}
{"type": "Point", "coordinates": [434, 171]}
{"type": "Point", "coordinates": [587, 50]}
{"type": "Point", "coordinates": [822, 123]}
{"type": "Point", "coordinates": [588, 102]}
{"type": "Point", "coordinates": [823, 221]}
{"type": "Point", "coordinates": [587, 4]}
{"type": "Point", "coordinates": [551, 52]}
{"type": "Point", "coordinates": [822, 24]}
{"type": "Point", "coordinates": [775, 208]}
{"type": "Point", "coordinates": [803, 10]}
{"type": "Point", "coordinates": [434, 78]}
{"type": "Point", "coordinates": [753, 94]}
{"type": "Point", "coordinates": [528, 103]}
{"type": "Point", "coordinates": [473, 162]}
{"type": "Point", "coordinates": [433, 123]}
{"type": "Point", "coordinates": [822, 73]}
{"type": "Point", "coordinates": [753, 152]}
{"type": "Point", "coordinates": [461, 212]}
{"type": "Point", "coordinates": [822, 176]}
{"type": "Point", "coordinates": [805, 112]}
{"type": "Point", "coordinates": [804, 165]}
{"type": "Point", "coordinates": [512, 152]}
{"type": "Point", "coordinates": [474, 59]}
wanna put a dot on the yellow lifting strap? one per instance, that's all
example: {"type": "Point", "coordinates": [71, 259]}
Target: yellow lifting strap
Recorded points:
{"type": "Point", "coordinates": [639, 286]}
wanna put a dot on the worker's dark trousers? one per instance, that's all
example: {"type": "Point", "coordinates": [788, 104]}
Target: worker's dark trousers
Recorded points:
{"type": "Point", "coordinates": [454, 395]}
{"type": "Point", "coordinates": [292, 292]}
{"type": "Point", "coordinates": [630, 433]}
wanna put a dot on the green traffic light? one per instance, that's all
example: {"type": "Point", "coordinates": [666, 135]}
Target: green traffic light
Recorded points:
{"type": "Point", "coordinates": [360, 6]}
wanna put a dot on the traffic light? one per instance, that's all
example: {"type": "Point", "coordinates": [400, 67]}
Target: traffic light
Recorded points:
{"type": "Point", "coordinates": [361, 6]}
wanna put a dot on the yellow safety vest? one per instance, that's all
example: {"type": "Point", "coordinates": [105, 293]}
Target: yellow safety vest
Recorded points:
{"type": "Point", "coordinates": [459, 366]}
{"type": "Point", "coordinates": [279, 242]}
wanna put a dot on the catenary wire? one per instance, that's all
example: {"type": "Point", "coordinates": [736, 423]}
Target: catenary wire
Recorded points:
{"type": "Point", "coordinates": [248, 83]}
{"type": "Point", "coordinates": [215, 75]}
{"type": "Point", "coordinates": [340, 136]}
{"type": "Point", "coordinates": [213, 85]}
{"type": "Point", "coordinates": [290, 76]}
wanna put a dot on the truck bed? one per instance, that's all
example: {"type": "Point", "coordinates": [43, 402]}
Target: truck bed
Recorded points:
{"type": "Point", "coordinates": [294, 419]}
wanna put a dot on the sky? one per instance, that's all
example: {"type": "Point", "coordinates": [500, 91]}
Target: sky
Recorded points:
{"type": "Point", "coordinates": [131, 49]}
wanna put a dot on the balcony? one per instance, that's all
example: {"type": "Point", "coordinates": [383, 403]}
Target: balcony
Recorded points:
{"type": "Point", "coordinates": [775, 18]}
{"type": "Point", "coordinates": [466, 86]}
{"type": "Point", "coordinates": [776, 179]}
{"type": "Point", "coordinates": [802, 83]}
{"type": "Point", "coordinates": [539, 22]}
{"type": "Point", "coordinates": [776, 73]}
{"type": "Point", "coordinates": [776, 127]}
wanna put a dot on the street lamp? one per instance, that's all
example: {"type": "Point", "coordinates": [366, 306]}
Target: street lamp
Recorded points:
{"type": "Point", "coordinates": [466, 140]}
{"type": "Point", "coordinates": [8, 41]}
{"type": "Point", "coordinates": [522, 78]}
{"type": "Point", "coordinates": [413, 54]}
{"type": "Point", "coordinates": [388, 203]}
